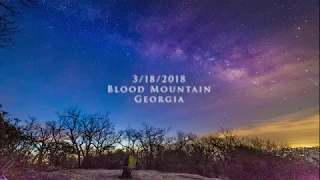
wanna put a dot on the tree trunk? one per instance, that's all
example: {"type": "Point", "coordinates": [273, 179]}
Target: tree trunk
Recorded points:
{"type": "Point", "coordinates": [40, 158]}
{"type": "Point", "coordinates": [79, 158]}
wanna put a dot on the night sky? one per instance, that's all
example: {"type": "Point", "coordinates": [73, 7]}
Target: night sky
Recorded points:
{"type": "Point", "coordinates": [261, 59]}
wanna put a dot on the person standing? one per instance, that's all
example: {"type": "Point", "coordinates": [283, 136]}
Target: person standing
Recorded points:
{"type": "Point", "coordinates": [126, 173]}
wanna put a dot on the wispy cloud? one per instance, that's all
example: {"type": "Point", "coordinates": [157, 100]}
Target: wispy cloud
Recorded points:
{"type": "Point", "coordinates": [300, 128]}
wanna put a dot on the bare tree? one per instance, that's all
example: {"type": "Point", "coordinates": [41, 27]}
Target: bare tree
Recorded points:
{"type": "Point", "coordinates": [230, 140]}
{"type": "Point", "coordinates": [151, 140]}
{"type": "Point", "coordinates": [38, 137]}
{"type": "Point", "coordinates": [182, 139]}
{"type": "Point", "coordinates": [105, 138]}
{"type": "Point", "coordinates": [7, 25]}
{"type": "Point", "coordinates": [57, 147]}
{"type": "Point", "coordinates": [7, 29]}
{"type": "Point", "coordinates": [70, 119]}
{"type": "Point", "coordinates": [130, 138]}
{"type": "Point", "coordinates": [270, 146]}
{"type": "Point", "coordinates": [91, 126]}
{"type": "Point", "coordinates": [256, 143]}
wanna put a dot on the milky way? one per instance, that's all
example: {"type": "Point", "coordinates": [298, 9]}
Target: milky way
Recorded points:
{"type": "Point", "coordinates": [261, 59]}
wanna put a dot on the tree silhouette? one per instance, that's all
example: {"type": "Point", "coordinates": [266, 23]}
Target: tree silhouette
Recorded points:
{"type": "Point", "coordinates": [7, 24]}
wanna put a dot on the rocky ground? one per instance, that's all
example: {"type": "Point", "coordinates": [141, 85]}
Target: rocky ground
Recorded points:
{"type": "Point", "coordinates": [81, 174]}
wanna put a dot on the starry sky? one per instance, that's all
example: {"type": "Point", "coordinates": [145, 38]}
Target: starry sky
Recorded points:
{"type": "Point", "coordinates": [261, 59]}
